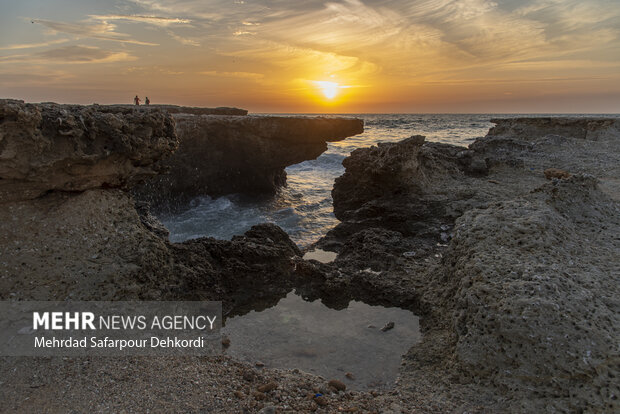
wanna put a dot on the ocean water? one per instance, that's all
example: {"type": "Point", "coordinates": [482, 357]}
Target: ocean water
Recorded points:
{"type": "Point", "coordinates": [304, 207]}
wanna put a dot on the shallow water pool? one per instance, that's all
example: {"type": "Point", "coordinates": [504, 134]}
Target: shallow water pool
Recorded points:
{"type": "Point", "coordinates": [327, 342]}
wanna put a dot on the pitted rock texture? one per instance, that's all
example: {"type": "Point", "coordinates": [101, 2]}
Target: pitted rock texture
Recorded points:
{"type": "Point", "coordinates": [537, 295]}
{"type": "Point", "coordinates": [406, 187]}
{"type": "Point", "coordinates": [517, 289]}
{"type": "Point", "coordinates": [95, 245]}
{"type": "Point", "coordinates": [240, 154]}
{"type": "Point", "coordinates": [47, 147]}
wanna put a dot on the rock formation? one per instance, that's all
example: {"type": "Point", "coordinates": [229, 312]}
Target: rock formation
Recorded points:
{"type": "Point", "coordinates": [592, 129]}
{"type": "Point", "coordinates": [74, 148]}
{"type": "Point", "coordinates": [403, 186]}
{"type": "Point", "coordinates": [248, 154]}
{"type": "Point", "coordinates": [515, 277]}
{"type": "Point", "coordinates": [174, 109]}
{"type": "Point", "coordinates": [221, 110]}
{"type": "Point", "coordinates": [69, 229]}
{"type": "Point", "coordinates": [535, 304]}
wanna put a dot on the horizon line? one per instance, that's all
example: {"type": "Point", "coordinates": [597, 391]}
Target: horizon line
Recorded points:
{"type": "Point", "coordinates": [333, 113]}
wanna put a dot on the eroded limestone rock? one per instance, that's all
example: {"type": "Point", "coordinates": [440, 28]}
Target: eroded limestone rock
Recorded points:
{"type": "Point", "coordinates": [46, 147]}
{"type": "Point", "coordinates": [406, 187]}
{"type": "Point", "coordinates": [517, 292]}
{"type": "Point", "coordinates": [593, 129]}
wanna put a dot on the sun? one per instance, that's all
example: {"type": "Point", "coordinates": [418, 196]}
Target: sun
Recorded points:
{"type": "Point", "coordinates": [329, 89]}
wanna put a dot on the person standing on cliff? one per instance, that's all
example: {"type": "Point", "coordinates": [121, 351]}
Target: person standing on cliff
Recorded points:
{"type": "Point", "coordinates": [136, 100]}
{"type": "Point", "coordinates": [147, 101]}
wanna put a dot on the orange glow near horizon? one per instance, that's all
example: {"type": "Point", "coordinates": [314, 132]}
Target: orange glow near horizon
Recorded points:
{"type": "Point", "coordinates": [341, 56]}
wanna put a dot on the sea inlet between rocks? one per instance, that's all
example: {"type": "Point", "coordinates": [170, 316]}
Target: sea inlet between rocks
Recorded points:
{"type": "Point", "coordinates": [355, 345]}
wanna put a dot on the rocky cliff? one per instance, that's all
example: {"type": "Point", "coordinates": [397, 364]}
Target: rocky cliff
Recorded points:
{"type": "Point", "coordinates": [50, 147]}
{"type": "Point", "coordinates": [70, 229]}
{"type": "Point", "coordinates": [248, 154]}
{"type": "Point", "coordinates": [175, 109]}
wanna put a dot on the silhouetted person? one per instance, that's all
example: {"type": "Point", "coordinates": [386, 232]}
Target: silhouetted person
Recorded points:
{"type": "Point", "coordinates": [147, 101]}
{"type": "Point", "coordinates": [136, 100]}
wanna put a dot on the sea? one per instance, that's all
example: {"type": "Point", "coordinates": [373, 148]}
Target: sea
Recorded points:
{"type": "Point", "coordinates": [304, 207]}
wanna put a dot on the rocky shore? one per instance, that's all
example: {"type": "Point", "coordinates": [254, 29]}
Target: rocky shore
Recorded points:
{"type": "Point", "coordinates": [515, 276]}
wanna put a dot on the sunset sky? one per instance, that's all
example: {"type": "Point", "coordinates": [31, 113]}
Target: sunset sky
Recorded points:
{"type": "Point", "coordinates": [350, 56]}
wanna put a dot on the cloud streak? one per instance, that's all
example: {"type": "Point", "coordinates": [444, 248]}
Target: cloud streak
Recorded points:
{"type": "Point", "coordinates": [78, 54]}
{"type": "Point", "coordinates": [33, 45]}
{"type": "Point", "coordinates": [240, 75]}
{"type": "Point", "coordinates": [154, 20]}
{"type": "Point", "coordinates": [100, 31]}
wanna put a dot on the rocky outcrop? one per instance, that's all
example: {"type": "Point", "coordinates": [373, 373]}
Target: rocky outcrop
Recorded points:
{"type": "Point", "coordinates": [406, 187]}
{"type": "Point", "coordinates": [69, 229]}
{"type": "Point", "coordinates": [593, 129]}
{"type": "Point", "coordinates": [220, 110]}
{"type": "Point", "coordinates": [543, 314]}
{"type": "Point", "coordinates": [220, 155]}
{"type": "Point", "coordinates": [95, 245]}
{"type": "Point", "coordinates": [50, 147]}
{"type": "Point", "coordinates": [515, 276]}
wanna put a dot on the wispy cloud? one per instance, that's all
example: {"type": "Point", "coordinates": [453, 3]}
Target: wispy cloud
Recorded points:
{"type": "Point", "coordinates": [154, 20]}
{"type": "Point", "coordinates": [100, 31]}
{"type": "Point", "coordinates": [396, 47]}
{"type": "Point", "coordinates": [161, 70]}
{"type": "Point", "coordinates": [304, 62]}
{"type": "Point", "coordinates": [242, 75]}
{"type": "Point", "coordinates": [159, 21]}
{"type": "Point", "coordinates": [33, 45]}
{"type": "Point", "coordinates": [71, 55]}
{"type": "Point", "coordinates": [34, 75]}
{"type": "Point", "coordinates": [84, 54]}
{"type": "Point", "coordinates": [183, 40]}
